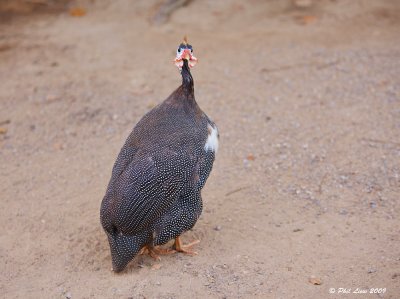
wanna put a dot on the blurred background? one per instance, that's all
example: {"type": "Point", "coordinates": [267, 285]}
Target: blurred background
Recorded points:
{"type": "Point", "coordinates": [304, 195]}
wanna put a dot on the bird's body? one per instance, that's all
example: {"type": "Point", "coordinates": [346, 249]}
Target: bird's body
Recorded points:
{"type": "Point", "coordinates": [154, 192]}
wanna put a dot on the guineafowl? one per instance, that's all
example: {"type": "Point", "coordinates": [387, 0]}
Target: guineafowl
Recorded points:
{"type": "Point", "coordinates": [154, 194]}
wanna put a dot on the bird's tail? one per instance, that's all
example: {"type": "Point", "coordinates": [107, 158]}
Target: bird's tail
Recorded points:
{"type": "Point", "coordinates": [123, 249]}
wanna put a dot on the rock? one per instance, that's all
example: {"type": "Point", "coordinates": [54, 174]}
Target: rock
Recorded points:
{"type": "Point", "coordinates": [218, 228]}
{"type": "Point", "coordinates": [156, 267]}
{"type": "Point", "coordinates": [314, 280]}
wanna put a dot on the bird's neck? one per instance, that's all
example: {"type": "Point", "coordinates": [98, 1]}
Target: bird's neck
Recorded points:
{"type": "Point", "coordinates": [187, 79]}
{"type": "Point", "coordinates": [185, 93]}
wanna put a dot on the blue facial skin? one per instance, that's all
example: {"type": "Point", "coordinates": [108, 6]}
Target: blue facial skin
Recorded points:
{"type": "Point", "coordinates": [183, 47]}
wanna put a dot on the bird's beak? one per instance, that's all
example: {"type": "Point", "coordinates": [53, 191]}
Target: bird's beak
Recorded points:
{"type": "Point", "coordinates": [186, 54]}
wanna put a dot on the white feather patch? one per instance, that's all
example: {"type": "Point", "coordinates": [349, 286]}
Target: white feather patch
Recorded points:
{"type": "Point", "coordinates": [212, 139]}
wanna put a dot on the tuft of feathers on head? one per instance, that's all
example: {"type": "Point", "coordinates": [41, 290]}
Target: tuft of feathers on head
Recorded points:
{"type": "Point", "coordinates": [185, 42]}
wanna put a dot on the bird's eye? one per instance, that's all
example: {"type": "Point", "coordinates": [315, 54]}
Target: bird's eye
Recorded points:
{"type": "Point", "coordinates": [191, 50]}
{"type": "Point", "coordinates": [179, 50]}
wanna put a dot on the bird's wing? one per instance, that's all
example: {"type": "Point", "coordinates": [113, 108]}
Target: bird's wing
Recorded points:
{"type": "Point", "coordinates": [125, 156]}
{"type": "Point", "coordinates": [205, 166]}
{"type": "Point", "coordinates": [148, 186]}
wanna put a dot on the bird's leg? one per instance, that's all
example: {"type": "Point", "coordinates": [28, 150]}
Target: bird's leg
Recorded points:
{"type": "Point", "coordinates": [185, 248]}
{"type": "Point", "coordinates": [155, 252]}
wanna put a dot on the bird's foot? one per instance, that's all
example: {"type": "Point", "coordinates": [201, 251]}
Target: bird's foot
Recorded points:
{"type": "Point", "coordinates": [163, 251]}
{"type": "Point", "coordinates": [187, 249]}
{"type": "Point", "coordinates": [150, 251]}
{"type": "Point", "coordinates": [155, 252]}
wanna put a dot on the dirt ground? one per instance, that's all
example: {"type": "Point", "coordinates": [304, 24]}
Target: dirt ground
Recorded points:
{"type": "Point", "coordinates": [304, 194]}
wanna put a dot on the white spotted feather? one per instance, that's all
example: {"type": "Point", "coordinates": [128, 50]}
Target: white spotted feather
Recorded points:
{"type": "Point", "coordinates": [212, 139]}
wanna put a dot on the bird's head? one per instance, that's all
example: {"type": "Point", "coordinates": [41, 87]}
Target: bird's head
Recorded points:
{"type": "Point", "coordinates": [185, 51]}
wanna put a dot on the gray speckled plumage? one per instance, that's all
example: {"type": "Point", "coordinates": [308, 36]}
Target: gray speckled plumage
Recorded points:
{"type": "Point", "coordinates": [154, 192]}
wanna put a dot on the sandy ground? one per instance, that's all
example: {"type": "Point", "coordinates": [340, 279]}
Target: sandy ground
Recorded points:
{"type": "Point", "coordinates": [307, 179]}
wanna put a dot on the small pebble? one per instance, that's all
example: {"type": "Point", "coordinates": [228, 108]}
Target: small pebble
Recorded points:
{"type": "Point", "coordinates": [314, 280]}
{"type": "Point", "coordinates": [218, 228]}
